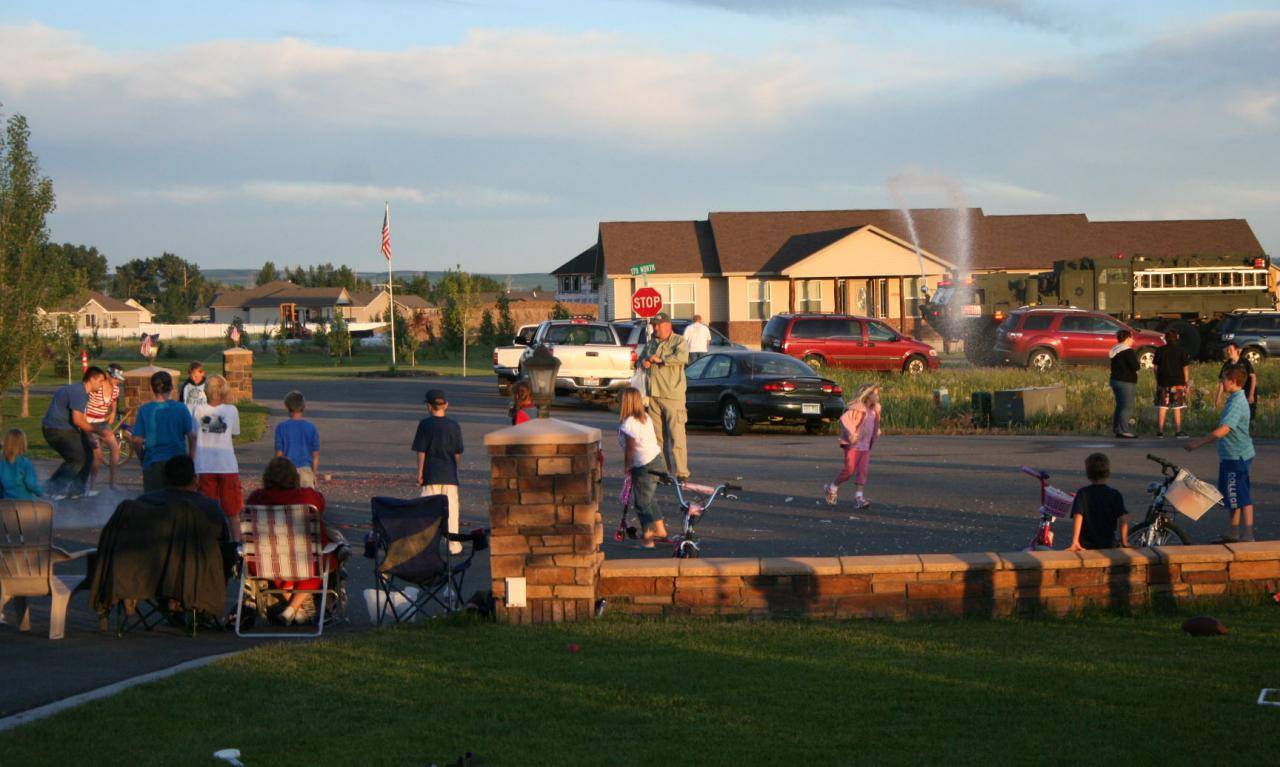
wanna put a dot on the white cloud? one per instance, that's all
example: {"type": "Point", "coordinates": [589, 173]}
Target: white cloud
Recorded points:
{"type": "Point", "coordinates": [304, 193]}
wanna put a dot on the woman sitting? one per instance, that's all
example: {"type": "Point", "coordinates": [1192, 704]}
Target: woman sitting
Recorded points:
{"type": "Point", "coordinates": [281, 487]}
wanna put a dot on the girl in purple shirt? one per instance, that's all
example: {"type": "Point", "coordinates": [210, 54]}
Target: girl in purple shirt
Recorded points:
{"type": "Point", "coordinates": [859, 427]}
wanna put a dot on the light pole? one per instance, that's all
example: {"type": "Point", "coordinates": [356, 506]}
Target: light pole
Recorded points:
{"type": "Point", "coordinates": [542, 367]}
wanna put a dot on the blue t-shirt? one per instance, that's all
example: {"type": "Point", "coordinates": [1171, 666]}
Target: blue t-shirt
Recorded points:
{"type": "Point", "coordinates": [1236, 446]}
{"type": "Point", "coordinates": [67, 399]}
{"type": "Point", "coordinates": [18, 480]}
{"type": "Point", "coordinates": [164, 427]}
{"type": "Point", "coordinates": [440, 437]}
{"type": "Point", "coordinates": [297, 439]}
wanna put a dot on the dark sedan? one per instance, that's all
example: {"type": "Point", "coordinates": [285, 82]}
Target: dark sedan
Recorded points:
{"type": "Point", "coordinates": [738, 388]}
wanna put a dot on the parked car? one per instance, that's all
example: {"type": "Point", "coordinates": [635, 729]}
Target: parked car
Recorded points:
{"type": "Point", "coordinates": [1255, 331]}
{"type": "Point", "coordinates": [1042, 337]}
{"type": "Point", "coordinates": [506, 359]}
{"type": "Point", "coordinates": [846, 341]}
{"type": "Point", "coordinates": [594, 367]}
{"type": "Point", "coordinates": [635, 333]}
{"type": "Point", "coordinates": [736, 388]}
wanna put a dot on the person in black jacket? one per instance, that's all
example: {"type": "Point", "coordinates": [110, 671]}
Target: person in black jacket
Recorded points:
{"type": "Point", "coordinates": [1172, 370]}
{"type": "Point", "coordinates": [1124, 383]}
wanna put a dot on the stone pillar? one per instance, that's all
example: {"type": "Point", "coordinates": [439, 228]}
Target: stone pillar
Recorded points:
{"type": "Point", "coordinates": [544, 515]}
{"type": "Point", "coordinates": [237, 368]}
{"type": "Point", "coordinates": [137, 386]}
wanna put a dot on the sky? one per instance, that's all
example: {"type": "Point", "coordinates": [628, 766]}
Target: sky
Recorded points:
{"type": "Point", "coordinates": [502, 132]}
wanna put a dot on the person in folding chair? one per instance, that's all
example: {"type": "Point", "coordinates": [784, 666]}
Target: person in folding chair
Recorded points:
{"type": "Point", "coordinates": [413, 567]}
{"type": "Point", "coordinates": [281, 487]}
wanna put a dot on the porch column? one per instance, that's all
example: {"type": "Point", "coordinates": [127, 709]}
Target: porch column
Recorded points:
{"type": "Point", "coordinates": [791, 295]}
{"type": "Point", "coordinates": [902, 306]}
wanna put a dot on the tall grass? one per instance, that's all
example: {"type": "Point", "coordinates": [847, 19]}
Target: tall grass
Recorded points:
{"type": "Point", "coordinates": [909, 405]}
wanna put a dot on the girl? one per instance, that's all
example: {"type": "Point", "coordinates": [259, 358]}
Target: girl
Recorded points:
{"type": "Point", "coordinates": [522, 407]}
{"type": "Point", "coordinates": [17, 475]}
{"type": "Point", "coordinates": [859, 427]}
{"type": "Point", "coordinates": [101, 413]}
{"type": "Point", "coordinates": [640, 455]}
{"type": "Point", "coordinates": [215, 423]}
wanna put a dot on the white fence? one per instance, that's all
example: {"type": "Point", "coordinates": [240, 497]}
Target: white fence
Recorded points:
{"type": "Point", "coordinates": [205, 330]}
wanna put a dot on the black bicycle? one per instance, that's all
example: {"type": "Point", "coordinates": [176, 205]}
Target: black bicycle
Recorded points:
{"type": "Point", "coordinates": [1158, 528]}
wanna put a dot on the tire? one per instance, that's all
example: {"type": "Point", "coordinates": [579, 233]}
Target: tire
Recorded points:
{"type": "Point", "coordinates": [1188, 337]}
{"type": "Point", "coordinates": [1254, 355]}
{"type": "Point", "coordinates": [126, 448]}
{"type": "Point", "coordinates": [1169, 535]}
{"type": "Point", "coordinates": [814, 361]}
{"type": "Point", "coordinates": [915, 365]}
{"type": "Point", "coordinates": [1042, 359]}
{"type": "Point", "coordinates": [731, 419]}
{"type": "Point", "coordinates": [1146, 358]}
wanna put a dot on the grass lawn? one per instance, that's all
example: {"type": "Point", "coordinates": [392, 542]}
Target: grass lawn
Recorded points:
{"type": "Point", "coordinates": [253, 422]}
{"type": "Point", "coordinates": [1094, 690]}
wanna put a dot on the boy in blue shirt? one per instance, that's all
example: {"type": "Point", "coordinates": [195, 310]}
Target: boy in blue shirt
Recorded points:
{"type": "Point", "coordinates": [298, 440]}
{"type": "Point", "coordinates": [161, 430]}
{"type": "Point", "coordinates": [1235, 455]}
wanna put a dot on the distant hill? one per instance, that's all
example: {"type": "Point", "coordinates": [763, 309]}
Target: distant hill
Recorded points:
{"type": "Point", "coordinates": [526, 281]}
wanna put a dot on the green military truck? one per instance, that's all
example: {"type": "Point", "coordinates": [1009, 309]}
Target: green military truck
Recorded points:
{"type": "Point", "coordinates": [1188, 293]}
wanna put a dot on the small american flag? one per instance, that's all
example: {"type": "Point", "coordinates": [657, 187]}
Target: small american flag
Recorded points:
{"type": "Point", "coordinates": [386, 232]}
{"type": "Point", "coordinates": [235, 335]}
{"type": "Point", "coordinates": [149, 345]}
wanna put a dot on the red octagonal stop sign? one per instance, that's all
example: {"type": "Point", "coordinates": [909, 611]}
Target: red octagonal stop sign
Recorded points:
{"type": "Point", "coordinates": [646, 302]}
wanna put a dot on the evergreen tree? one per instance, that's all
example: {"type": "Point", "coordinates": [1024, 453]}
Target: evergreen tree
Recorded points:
{"type": "Point", "coordinates": [268, 273]}
{"type": "Point", "coordinates": [488, 330]}
{"type": "Point", "coordinates": [558, 312]}
{"type": "Point", "coordinates": [506, 325]}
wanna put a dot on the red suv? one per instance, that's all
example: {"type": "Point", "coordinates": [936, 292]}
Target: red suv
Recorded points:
{"type": "Point", "coordinates": [846, 341]}
{"type": "Point", "coordinates": [1042, 338]}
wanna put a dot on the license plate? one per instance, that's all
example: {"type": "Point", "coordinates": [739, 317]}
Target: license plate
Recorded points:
{"type": "Point", "coordinates": [970, 310]}
{"type": "Point", "coordinates": [810, 408]}
{"type": "Point", "coordinates": [590, 381]}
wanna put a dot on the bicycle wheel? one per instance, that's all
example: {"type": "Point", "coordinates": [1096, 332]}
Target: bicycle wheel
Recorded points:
{"type": "Point", "coordinates": [1157, 534]}
{"type": "Point", "coordinates": [126, 449]}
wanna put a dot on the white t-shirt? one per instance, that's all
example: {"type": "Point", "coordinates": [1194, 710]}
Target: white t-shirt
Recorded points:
{"type": "Point", "coordinates": [214, 428]}
{"type": "Point", "coordinates": [698, 337]}
{"type": "Point", "coordinates": [646, 440]}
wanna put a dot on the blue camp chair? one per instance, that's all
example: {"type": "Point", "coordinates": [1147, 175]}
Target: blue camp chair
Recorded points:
{"type": "Point", "coordinates": [409, 548]}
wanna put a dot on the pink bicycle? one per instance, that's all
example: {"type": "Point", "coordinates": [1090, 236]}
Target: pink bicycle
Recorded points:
{"type": "Point", "coordinates": [1054, 504]}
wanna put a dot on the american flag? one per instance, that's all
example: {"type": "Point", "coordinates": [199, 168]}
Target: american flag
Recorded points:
{"type": "Point", "coordinates": [148, 345]}
{"type": "Point", "coordinates": [386, 232]}
{"type": "Point", "coordinates": [235, 335]}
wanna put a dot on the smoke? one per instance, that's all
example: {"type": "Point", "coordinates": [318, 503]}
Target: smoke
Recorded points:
{"type": "Point", "coordinates": [932, 182]}
{"type": "Point", "coordinates": [87, 513]}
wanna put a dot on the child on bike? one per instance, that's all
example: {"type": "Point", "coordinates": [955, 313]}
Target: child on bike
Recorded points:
{"type": "Point", "coordinates": [1098, 509]}
{"type": "Point", "coordinates": [641, 455]}
{"type": "Point", "coordinates": [859, 428]}
{"type": "Point", "coordinates": [101, 414]}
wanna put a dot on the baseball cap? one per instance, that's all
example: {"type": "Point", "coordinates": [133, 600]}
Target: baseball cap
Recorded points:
{"type": "Point", "coordinates": [660, 318]}
{"type": "Point", "coordinates": [436, 397]}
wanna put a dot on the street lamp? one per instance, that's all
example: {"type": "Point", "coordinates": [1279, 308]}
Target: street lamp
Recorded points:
{"type": "Point", "coordinates": [542, 367]}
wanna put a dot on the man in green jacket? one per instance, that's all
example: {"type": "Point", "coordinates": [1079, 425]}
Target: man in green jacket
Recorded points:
{"type": "Point", "coordinates": [663, 360]}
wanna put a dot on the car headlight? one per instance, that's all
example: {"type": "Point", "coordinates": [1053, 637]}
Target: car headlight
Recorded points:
{"type": "Point", "coordinates": [933, 352]}
{"type": "Point", "coordinates": [1228, 336]}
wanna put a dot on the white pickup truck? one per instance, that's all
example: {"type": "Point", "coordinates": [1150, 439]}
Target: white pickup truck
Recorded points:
{"type": "Point", "coordinates": [506, 359]}
{"type": "Point", "coordinates": [594, 365]}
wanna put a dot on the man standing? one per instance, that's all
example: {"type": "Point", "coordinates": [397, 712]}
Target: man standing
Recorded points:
{"type": "Point", "coordinates": [1235, 457]}
{"type": "Point", "coordinates": [438, 443]}
{"type": "Point", "coordinates": [1173, 368]}
{"type": "Point", "coordinates": [1124, 383]}
{"type": "Point", "coordinates": [698, 337]}
{"type": "Point", "coordinates": [67, 431]}
{"type": "Point", "coordinates": [1232, 353]}
{"type": "Point", "coordinates": [664, 358]}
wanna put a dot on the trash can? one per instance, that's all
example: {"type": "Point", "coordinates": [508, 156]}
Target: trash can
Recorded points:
{"type": "Point", "coordinates": [1011, 407]}
{"type": "Point", "coordinates": [980, 404]}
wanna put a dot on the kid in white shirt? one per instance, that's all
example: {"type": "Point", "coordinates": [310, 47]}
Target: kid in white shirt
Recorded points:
{"type": "Point", "coordinates": [641, 454]}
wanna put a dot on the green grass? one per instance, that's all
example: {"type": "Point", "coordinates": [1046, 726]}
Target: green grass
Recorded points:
{"type": "Point", "coordinates": [909, 406]}
{"type": "Point", "coordinates": [253, 422]}
{"type": "Point", "coordinates": [1102, 689]}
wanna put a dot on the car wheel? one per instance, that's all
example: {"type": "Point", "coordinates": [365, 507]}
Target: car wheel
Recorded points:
{"type": "Point", "coordinates": [915, 365]}
{"type": "Point", "coordinates": [1146, 358]}
{"type": "Point", "coordinates": [1042, 360]}
{"type": "Point", "coordinates": [1253, 355]}
{"type": "Point", "coordinates": [814, 361]}
{"type": "Point", "coordinates": [731, 418]}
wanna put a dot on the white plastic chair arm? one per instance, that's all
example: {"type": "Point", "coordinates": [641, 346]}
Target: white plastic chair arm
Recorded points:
{"type": "Point", "coordinates": [333, 546]}
{"type": "Point", "coordinates": [62, 555]}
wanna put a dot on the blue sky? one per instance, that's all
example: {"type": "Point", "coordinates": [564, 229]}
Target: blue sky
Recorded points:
{"type": "Point", "coordinates": [501, 132]}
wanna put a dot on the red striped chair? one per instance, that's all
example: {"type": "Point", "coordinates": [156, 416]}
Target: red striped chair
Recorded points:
{"type": "Point", "coordinates": [284, 543]}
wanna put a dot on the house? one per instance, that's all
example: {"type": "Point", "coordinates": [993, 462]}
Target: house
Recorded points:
{"type": "Point", "coordinates": [576, 279]}
{"type": "Point", "coordinates": [98, 310]}
{"type": "Point", "coordinates": [739, 269]}
{"type": "Point", "coordinates": [276, 301]}
{"type": "Point", "coordinates": [372, 306]}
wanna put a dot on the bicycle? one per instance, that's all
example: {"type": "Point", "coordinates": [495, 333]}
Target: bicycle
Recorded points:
{"type": "Point", "coordinates": [1054, 504]}
{"type": "Point", "coordinates": [685, 543]}
{"type": "Point", "coordinates": [1158, 527]}
{"type": "Point", "coordinates": [123, 436]}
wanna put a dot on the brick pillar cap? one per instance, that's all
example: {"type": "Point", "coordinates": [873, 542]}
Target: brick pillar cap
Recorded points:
{"type": "Point", "coordinates": [544, 431]}
{"type": "Point", "coordinates": [237, 350]}
{"type": "Point", "coordinates": [149, 370]}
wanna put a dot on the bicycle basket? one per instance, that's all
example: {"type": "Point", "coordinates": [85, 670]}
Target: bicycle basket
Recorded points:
{"type": "Point", "coordinates": [1057, 502]}
{"type": "Point", "coordinates": [1190, 496]}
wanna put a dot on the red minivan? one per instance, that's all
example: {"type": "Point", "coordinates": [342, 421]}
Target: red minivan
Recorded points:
{"type": "Point", "coordinates": [1040, 338]}
{"type": "Point", "coordinates": [846, 341]}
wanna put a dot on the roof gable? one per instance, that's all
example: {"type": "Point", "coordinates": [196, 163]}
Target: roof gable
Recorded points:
{"type": "Point", "coordinates": [673, 247]}
{"type": "Point", "coordinates": [583, 263]}
{"type": "Point", "coordinates": [865, 251]}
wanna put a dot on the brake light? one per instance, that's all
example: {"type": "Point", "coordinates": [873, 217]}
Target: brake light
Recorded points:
{"type": "Point", "coordinates": [495, 358]}
{"type": "Point", "coordinates": [944, 284]}
{"type": "Point", "coordinates": [832, 389]}
{"type": "Point", "coordinates": [779, 386]}
{"type": "Point", "coordinates": [1259, 263]}
{"type": "Point", "coordinates": [635, 356]}
{"type": "Point", "coordinates": [999, 315]}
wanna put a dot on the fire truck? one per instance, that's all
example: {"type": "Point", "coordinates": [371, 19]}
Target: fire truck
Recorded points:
{"type": "Point", "coordinates": [1187, 293]}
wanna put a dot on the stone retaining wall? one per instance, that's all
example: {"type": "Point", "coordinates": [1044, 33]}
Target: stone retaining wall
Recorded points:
{"type": "Point", "coordinates": [926, 585]}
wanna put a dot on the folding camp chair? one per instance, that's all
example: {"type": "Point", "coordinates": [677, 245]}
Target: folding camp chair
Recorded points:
{"type": "Point", "coordinates": [285, 543]}
{"type": "Point", "coordinates": [409, 547]}
{"type": "Point", "coordinates": [27, 560]}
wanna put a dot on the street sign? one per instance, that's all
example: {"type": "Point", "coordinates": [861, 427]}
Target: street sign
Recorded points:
{"type": "Point", "coordinates": [646, 302]}
{"type": "Point", "coordinates": [640, 269]}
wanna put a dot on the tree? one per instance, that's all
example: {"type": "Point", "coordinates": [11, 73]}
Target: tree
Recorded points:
{"type": "Point", "coordinates": [268, 273]}
{"type": "Point", "coordinates": [339, 339]}
{"type": "Point", "coordinates": [169, 286]}
{"type": "Point", "coordinates": [406, 340]}
{"type": "Point", "coordinates": [506, 325]}
{"type": "Point", "coordinates": [418, 285]}
{"type": "Point", "coordinates": [30, 279]}
{"type": "Point", "coordinates": [558, 312]}
{"type": "Point", "coordinates": [89, 265]}
{"type": "Point", "coordinates": [488, 331]}
{"type": "Point", "coordinates": [33, 363]}
{"type": "Point", "coordinates": [459, 306]}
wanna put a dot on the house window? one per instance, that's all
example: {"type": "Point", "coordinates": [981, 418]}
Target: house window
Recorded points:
{"type": "Point", "coordinates": [809, 296]}
{"type": "Point", "coordinates": [91, 320]}
{"type": "Point", "coordinates": [678, 299]}
{"type": "Point", "coordinates": [759, 300]}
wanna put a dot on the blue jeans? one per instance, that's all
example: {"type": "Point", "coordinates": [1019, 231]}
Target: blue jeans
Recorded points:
{"type": "Point", "coordinates": [1126, 395]}
{"type": "Point", "coordinates": [72, 475]}
{"type": "Point", "coordinates": [644, 488]}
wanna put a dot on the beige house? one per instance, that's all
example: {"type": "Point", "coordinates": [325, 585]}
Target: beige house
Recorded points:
{"type": "Point", "coordinates": [277, 301]}
{"type": "Point", "coordinates": [372, 307]}
{"type": "Point", "coordinates": [99, 310]}
{"type": "Point", "coordinates": [739, 269]}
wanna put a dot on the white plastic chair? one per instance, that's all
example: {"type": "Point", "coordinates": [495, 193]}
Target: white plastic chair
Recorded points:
{"type": "Point", "coordinates": [27, 560]}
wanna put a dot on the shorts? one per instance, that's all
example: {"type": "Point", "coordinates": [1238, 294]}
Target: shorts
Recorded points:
{"type": "Point", "coordinates": [227, 491]}
{"type": "Point", "coordinates": [1172, 397]}
{"type": "Point", "coordinates": [1233, 483]}
{"type": "Point", "coordinates": [306, 477]}
{"type": "Point", "coordinates": [99, 428]}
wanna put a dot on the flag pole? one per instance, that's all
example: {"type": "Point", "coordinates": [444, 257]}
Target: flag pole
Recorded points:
{"type": "Point", "coordinates": [391, 295]}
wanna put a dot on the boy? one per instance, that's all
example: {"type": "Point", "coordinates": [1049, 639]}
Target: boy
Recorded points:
{"type": "Point", "coordinates": [161, 430]}
{"type": "Point", "coordinates": [1097, 508]}
{"type": "Point", "coordinates": [1235, 456]}
{"type": "Point", "coordinates": [192, 392]}
{"type": "Point", "coordinates": [1231, 353]}
{"type": "Point", "coordinates": [438, 444]}
{"type": "Point", "coordinates": [298, 440]}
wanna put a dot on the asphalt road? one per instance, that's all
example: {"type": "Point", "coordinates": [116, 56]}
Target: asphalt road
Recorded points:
{"type": "Point", "coordinates": [929, 494]}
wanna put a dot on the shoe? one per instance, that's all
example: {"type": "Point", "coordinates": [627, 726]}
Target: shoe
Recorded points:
{"type": "Point", "coordinates": [1182, 435]}
{"type": "Point", "coordinates": [861, 503]}
{"type": "Point", "coordinates": [832, 493]}
{"type": "Point", "coordinates": [1160, 435]}
{"type": "Point", "coordinates": [58, 497]}
{"type": "Point", "coordinates": [1125, 435]}
{"type": "Point", "coordinates": [90, 493]}
{"type": "Point", "coordinates": [306, 613]}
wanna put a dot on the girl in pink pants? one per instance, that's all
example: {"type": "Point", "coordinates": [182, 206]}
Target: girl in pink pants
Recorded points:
{"type": "Point", "coordinates": [859, 427]}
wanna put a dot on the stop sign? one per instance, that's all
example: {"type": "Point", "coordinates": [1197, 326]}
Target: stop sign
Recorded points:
{"type": "Point", "coordinates": [646, 302]}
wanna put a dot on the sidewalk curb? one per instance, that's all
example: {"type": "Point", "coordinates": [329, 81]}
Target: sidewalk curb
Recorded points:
{"type": "Point", "coordinates": [58, 706]}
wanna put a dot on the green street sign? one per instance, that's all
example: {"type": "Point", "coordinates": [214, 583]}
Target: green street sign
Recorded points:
{"type": "Point", "coordinates": [636, 271]}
